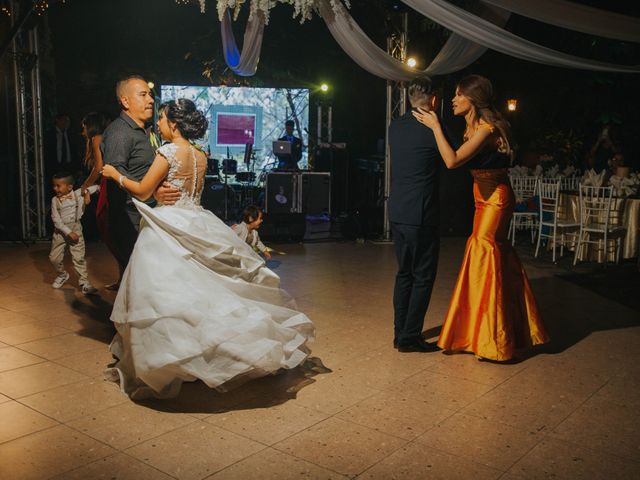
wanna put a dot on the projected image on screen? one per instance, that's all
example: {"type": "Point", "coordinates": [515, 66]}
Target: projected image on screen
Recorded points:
{"type": "Point", "coordinates": [241, 115]}
{"type": "Point", "coordinates": [235, 130]}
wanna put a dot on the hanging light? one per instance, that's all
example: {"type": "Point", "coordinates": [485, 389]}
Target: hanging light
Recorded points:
{"type": "Point", "coordinates": [324, 87]}
{"type": "Point", "coordinates": [412, 62]}
{"type": "Point", "coordinates": [512, 105]}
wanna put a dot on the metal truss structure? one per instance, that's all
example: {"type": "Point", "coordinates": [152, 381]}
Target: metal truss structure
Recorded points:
{"type": "Point", "coordinates": [26, 64]}
{"type": "Point", "coordinates": [325, 123]}
{"type": "Point", "coordinates": [396, 102]}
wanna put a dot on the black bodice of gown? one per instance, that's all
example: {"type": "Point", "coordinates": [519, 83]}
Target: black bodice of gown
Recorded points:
{"type": "Point", "coordinates": [489, 159]}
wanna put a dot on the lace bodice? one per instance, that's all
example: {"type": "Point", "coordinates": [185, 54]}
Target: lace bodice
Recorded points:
{"type": "Point", "coordinates": [186, 172]}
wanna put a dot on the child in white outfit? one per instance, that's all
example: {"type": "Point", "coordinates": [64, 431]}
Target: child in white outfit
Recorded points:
{"type": "Point", "coordinates": [248, 230]}
{"type": "Point", "coordinates": [67, 208]}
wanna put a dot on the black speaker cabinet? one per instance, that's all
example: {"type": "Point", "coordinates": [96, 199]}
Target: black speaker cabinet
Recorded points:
{"type": "Point", "coordinates": [315, 193]}
{"type": "Point", "coordinates": [281, 193]}
{"type": "Point", "coordinates": [335, 161]}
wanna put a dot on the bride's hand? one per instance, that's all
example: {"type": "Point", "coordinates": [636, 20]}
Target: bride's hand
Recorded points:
{"type": "Point", "coordinates": [109, 171]}
{"type": "Point", "coordinates": [426, 117]}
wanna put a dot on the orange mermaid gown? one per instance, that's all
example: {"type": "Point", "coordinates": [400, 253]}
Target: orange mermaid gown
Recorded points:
{"type": "Point", "coordinates": [493, 311]}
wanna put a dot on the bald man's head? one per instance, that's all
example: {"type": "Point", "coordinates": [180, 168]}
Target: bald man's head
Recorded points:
{"type": "Point", "coordinates": [123, 85]}
{"type": "Point", "coordinates": [135, 98]}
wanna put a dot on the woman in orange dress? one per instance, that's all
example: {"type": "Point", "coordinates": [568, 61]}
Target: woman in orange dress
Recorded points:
{"type": "Point", "coordinates": [493, 311]}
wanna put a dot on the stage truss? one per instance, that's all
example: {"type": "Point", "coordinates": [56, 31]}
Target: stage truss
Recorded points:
{"type": "Point", "coordinates": [396, 102]}
{"type": "Point", "coordinates": [26, 64]}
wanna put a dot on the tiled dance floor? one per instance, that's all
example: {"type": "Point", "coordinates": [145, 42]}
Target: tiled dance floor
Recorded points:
{"type": "Point", "coordinates": [569, 411]}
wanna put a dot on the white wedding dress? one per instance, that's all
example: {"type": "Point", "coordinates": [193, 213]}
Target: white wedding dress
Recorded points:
{"type": "Point", "coordinates": [196, 302]}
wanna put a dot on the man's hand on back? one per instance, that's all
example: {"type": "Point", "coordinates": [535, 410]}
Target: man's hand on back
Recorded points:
{"type": "Point", "coordinates": [167, 194]}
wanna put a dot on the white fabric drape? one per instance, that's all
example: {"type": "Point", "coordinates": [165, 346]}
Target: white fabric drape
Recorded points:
{"type": "Point", "coordinates": [485, 33]}
{"type": "Point", "coordinates": [246, 63]}
{"type": "Point", "coordinates": [457, 53]}
{"type": "Point", "coordinates": [573, 16]}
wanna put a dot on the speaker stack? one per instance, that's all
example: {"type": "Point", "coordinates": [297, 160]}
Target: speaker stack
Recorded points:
{"type": "Point", "coordinates": [289, 198]}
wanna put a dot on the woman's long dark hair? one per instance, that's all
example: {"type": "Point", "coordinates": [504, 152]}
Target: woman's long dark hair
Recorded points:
{"type": "Point", "coordinates": [479, 91]}
{"type": "Point", "coordinates": [95, 123]}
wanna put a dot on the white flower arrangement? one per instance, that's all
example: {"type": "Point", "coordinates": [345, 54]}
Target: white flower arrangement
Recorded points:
{"type": "Point", "coordinates": [519, 171]}
{"type": "Point", "coordinates": [538, 171]}
{"type": "Point", "coordinates": [547, 171]}
{"type": "Point", "coordinates": [301, 8]}
{"type": "Point", "coordinates": [591, 178]}
{"type": "Point", "coordinates": [553, 172]}
{"type": "Point", "coordinates": [625, 186]}
{"type": "Point", "coordinates": [570, 171]}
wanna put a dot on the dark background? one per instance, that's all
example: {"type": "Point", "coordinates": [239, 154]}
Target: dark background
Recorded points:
{"type": "Point", "coordinates": [88, 44]}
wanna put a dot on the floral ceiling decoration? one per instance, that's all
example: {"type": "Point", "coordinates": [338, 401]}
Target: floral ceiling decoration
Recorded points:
{"type": "Point", "coordinates": [302, 9]}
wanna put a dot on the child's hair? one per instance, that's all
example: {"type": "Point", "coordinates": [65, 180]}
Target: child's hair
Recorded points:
{"type": "Point", "coordinates": [66, 177]}
{"type": "Point", "coordinates": [251, 213]}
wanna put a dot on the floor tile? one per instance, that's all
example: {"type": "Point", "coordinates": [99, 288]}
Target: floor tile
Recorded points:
{"type": "Point", "coordinates": [562, 460]}
{"type": "Point", "coordinates": [18, 421]}
{"type": "Point", "coordinates": [397, 414]}
{"type": "Point", "coordinates": [76, 400]}
{"type": "Point", "coordinates": [270, 464]}
{"type": "Point", "coordinates": [341, 446]}
{"type": "Point", "coordinates": [417, 461]}
{"type": "Point", "coordinates": [48, 453]}
{"type": "Point", "coordinates": [128, 424]}
{"type": "Point", "coordinates": [25, 381]}
{"type": "Point", "coordinates": [436, 389]}
{"type": "Point", "coordinates": [195, 451]}
{"type": "Point", "coordinates": [333, 393]}
{"type": "Point", "coordinates": [62, 346]}
{"type": "Point", "coordinates": [92, 363]}
{"type": "Point", "coordinates": [269, 424]}
{"type": "Point", "coordinates": [11, 358]}
{"type": "Point", "coordinates": [28, 332]}
{"type": "Point", "coordinates": [603, 426]}
{"type": "Point", "coordinates": [114, 467]}
{"type": "Point", "coordinates": [495, 445]}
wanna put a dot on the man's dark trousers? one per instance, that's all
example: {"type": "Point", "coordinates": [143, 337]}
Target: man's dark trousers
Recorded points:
{"type": "Point", "coordinates": [417, 248]}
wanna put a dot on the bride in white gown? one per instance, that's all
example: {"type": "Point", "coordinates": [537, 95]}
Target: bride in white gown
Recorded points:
{"type": "Point", "coordinates": [195, 301]}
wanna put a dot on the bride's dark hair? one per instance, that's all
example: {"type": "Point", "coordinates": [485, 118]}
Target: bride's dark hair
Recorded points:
{"type": "Point", "coordinates": [190, 122]}
{"type": "Point", "coordinates": [479, 91]}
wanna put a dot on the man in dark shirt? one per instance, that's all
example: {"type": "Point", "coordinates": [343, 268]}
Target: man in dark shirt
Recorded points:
{"type": "Point", "coordinates": [127, 145]}
{"type": "Point", "coordinates": [290, 161]}
{"type": "Point", "coordinates": [413, 211]}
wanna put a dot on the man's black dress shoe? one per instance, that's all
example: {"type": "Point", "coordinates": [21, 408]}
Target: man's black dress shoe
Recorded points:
{"type": "Point", "coordinates": [418, 346]}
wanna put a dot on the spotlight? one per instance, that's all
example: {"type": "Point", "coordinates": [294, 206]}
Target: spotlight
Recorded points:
{"type": "Point", "coordinates": [151, 85]}
{"type": "Point", "coordinates": [412, 62]}
{"type": "Point", "coordinates": [512, 104]}
{"type": "Point", "coordinates": [324, 87]}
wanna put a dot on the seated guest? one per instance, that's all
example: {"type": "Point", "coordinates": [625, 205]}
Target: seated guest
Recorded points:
{"type": "Point", "coordinates": [290, 161]}
{"type": "Point", "coordinates": [248, 230]}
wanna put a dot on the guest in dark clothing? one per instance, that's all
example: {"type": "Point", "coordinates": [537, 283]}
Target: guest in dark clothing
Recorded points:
{"type": "Point", "coordinates": [290, 161]}
{"type": "Point", "coordinates": [603, 150]}
{"type": "Point", "coordinates": [127, 145]}
{"type": "Point", "coordinates": [413, 212]}
{"type": "Point", "coordinates": [59, 148]}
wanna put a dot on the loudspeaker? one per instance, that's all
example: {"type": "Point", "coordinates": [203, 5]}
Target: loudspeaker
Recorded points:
{"type": "Point", "coordinates": [213, 197]}
{"type": "Point", "coordinates": [335, 161]}
{"type": "Point", "coordinates": [315, 193]}
{"type": "Point", "coordinates": [281, 193]}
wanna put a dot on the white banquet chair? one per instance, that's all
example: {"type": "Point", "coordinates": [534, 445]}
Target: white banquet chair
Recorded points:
{"type": "Point", "coordinates": [550, 225]}
{"type": "Point", "coordinates": [600, 221]}
{"type": "Point", "coordinates": [569, 184]}
{"type": "Point", "coordinates": [524, 189]}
